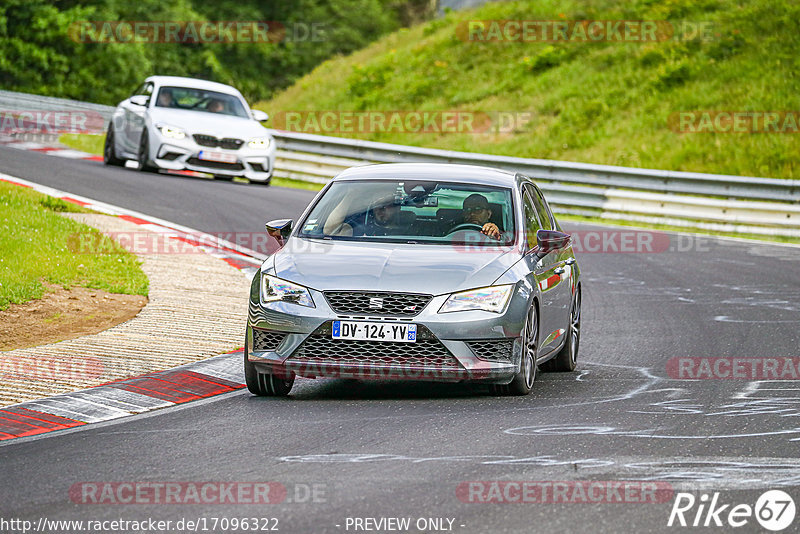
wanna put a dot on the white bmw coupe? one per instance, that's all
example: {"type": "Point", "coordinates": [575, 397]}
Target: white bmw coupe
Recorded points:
{"type": "Point", "coordinates": [175, 123]}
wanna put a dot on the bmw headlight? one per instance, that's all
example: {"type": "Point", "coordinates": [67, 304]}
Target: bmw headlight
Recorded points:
{"type": "Point", "coordinates": [259, 143]}
{"type": "Point", "coordinates": [274, 289]}
{"type": "Point", "coordinates": [491, 299]}
{"type": "Point", "coordinates": [171, 132]}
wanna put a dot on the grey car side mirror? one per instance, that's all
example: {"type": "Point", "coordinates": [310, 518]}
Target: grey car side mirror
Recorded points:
{"type": "Point", "coordinates": [259, 115]}
{"type": "Point", "coordinates": [549, 240]}
{"type": "Point", "coordinates": [280, 229]}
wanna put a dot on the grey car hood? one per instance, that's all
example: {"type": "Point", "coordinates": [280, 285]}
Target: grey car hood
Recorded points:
{"type": "Point", "coordinates": [433, 269]}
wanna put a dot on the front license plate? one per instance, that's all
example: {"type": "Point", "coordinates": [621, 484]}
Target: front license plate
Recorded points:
{"type": "Point", "coordinates": [364, 331]}
{"type": "Point", "coordinates": [217, 156]}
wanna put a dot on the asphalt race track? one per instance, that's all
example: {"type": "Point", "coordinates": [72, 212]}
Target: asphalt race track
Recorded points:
{"type": "Point", "coordinates": [347, 450]}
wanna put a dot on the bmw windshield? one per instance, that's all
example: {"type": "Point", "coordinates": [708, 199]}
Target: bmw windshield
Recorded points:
{"type": "Point", "coordinates": [418, 212]}
{"type": "Point", "coordinates": [200, 100]}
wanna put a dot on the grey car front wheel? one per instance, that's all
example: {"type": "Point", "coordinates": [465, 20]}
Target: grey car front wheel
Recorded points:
{"type": "Point", "coordinates": [265, 385]}
{"type": "Point", "coordinates": [522, 383]}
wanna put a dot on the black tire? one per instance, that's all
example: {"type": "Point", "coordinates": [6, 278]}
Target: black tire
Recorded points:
{"type": "Point", "coordinates": [144, 154]}
{"type": "Point", "coordinates": [109, 152]}
{"type": "Point", "coordinates": [523, 381]}
{"type": "Point", "coordinates": [567, 358]}
{"type": "Point", "coordinates": [265, 385]}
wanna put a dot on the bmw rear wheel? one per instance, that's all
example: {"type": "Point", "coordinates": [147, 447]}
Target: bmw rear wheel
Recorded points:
{"type": "Point", "coordinates": [109, 152]}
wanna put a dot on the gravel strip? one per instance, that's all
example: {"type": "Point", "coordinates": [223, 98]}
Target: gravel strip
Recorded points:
{"type": "Point", "coordinates": [197, 309]}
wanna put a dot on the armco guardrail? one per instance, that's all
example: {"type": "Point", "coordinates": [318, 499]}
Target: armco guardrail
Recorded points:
{"type": "Point", "coordinates": [741, 204]}
{"type": "Point", "coordinates": [709, 201]}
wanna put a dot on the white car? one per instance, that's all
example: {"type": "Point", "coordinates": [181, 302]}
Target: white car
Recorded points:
{"type": "Point", "coordinates": [175, 123]}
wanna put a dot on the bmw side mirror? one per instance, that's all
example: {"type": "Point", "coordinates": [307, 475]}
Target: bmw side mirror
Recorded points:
{"type": "Point", "coordinates": [259, 115]}
{"type": "Point", "coordinates": [139, 100]}
{"type": "Point", "coordinates": [280, 229]}
{"type": "Point", "coordinates": [549, 240]}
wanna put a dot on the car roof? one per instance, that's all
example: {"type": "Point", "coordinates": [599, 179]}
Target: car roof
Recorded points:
{"type": "Point", "coordinates": [194, 83]}
{"type": "Point", "coordinates": [451, 172]}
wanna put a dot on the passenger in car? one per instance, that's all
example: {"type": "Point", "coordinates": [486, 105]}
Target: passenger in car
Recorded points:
{"type": "Point", "coordinates": [386, 218]}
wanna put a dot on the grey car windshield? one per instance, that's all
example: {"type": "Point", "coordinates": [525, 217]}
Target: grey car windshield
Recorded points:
{"type": "Point", "coordinates": [200, 100]}
{"type": "Point", "coordinates": [420, 212]}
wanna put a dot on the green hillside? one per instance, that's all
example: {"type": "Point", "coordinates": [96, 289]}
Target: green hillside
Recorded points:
{"type": "Point", "coordinates": [606, 102]}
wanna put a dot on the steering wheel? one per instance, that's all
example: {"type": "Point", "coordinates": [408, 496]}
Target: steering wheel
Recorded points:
{"type": "Point", "coordinates": [466, 226]}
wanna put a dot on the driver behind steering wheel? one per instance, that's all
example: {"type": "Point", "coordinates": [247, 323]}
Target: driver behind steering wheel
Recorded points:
{"type": "Point", "coordinates": [476, 211]}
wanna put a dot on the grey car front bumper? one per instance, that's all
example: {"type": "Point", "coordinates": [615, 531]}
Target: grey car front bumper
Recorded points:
{"type": "Point", "coordinates": [285, 338]}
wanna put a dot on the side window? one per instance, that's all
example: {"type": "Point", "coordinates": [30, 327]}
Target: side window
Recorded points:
{"type": "Point", "coordinates": [541, 208]}
{"type": "Point", "coordinates": [531, 219]}
{"type": "Point", "coordinates": [139, 90]}
{"type": "Point", "coordinates": [146, 89]}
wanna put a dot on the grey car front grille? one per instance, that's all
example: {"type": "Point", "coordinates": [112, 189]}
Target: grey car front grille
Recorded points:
{"type": "Point", "coordinates": [493, 349]}
{"type": "Point", "coordinates": [267, 339]}
{"type": "Point", "coordinates": [377, 303]}
{"type": "Point", "coordinates": [425, 352]}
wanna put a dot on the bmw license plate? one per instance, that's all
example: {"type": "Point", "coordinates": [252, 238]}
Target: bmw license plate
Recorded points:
{"type": "Point", "coordinates": [221, 157]}
{"type": "Point", "coordinates": [365, 331]}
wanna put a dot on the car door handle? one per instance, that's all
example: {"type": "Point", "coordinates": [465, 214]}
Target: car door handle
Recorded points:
{"type": "Point", "coordinates": [558, 270]}
{"type": "Point", "coordinates": [570, 261]}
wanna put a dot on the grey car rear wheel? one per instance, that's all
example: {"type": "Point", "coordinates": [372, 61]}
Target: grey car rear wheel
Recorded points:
{"type": "Point", "coordinates": [567, 358]}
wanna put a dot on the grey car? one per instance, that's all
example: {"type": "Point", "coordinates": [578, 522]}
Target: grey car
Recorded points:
{"type": "Point", "coordinates": [430, 272]}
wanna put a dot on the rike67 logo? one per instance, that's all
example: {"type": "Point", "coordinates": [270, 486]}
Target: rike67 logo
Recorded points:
{"type": "Point", "coordinates": [774, 510]}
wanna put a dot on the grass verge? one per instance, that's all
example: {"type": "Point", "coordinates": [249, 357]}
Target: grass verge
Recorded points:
{"type": "Point", "coordinates": [606, 102]}
{"type": "Point", "coordinates": [35, 248]}
{"type": "Point", "coordinates": [91, 143]}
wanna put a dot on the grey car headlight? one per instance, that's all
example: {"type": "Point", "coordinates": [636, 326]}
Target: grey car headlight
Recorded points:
{"type": "Point", "coordinates": [259, 143]}
{"type": "Point", "coordinates": [171, 132]}
{"type": "Point", "coordinates": [274, 289]}
{"type": "Point", "coordinates": [491, 299]}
